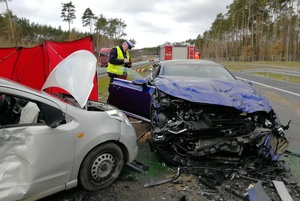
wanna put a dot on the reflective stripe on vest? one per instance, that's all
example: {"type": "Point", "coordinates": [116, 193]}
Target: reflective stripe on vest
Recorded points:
{"type": "Point", "coordinates": [118, 69]}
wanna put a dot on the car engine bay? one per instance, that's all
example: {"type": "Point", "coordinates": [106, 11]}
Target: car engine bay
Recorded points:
{"type": "Point", "coordinates": [185, 131]}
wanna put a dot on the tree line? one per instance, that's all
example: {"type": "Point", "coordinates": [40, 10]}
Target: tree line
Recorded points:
{"type": "Point", "coordinates": [16, 31]}
{"type": "Point", "coordinates": [254, 30]}
{"type": "Point", "coordinates": [251, 30]}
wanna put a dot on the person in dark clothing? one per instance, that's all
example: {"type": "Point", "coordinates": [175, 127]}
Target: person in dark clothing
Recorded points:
{"type": "Point", "coordinates": [119, 60]}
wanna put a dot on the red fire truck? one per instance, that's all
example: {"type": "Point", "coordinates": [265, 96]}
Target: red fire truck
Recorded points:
{"type": "Point", "coordinates": [103, 56]}
{"type": "Point", "coordinates": [179, 51]}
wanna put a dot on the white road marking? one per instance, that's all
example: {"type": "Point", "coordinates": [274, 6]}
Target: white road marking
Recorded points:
{"type": "Point", "coordinates": [289, 92]}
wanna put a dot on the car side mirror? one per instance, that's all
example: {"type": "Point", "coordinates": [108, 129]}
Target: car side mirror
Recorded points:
{"type": "Point", "coordinates": [140, 82]}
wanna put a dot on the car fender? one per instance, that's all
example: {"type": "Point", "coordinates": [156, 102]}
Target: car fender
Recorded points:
{"type": "Point", "coordinates": [82, 151]}
{"type": "Point", "coordinates": [100, 128]}
{"type": "Point", "coordinates": [129, 140]}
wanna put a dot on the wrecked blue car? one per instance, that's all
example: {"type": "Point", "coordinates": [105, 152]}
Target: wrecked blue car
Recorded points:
{"type": "Point", "coordinates": [199, 111]}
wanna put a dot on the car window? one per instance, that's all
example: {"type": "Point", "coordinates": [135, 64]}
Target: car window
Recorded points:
{"type": "Point", "coordinates": [16, 111]}
{"type": "Point", "coordinates": [132, 74]}
{"type": "Point", "coordinates": [149, 78]}
{"type": "Point", "coordinates": [104, 54]}
{"type": "Point", "coordinates": [156, 71]}
{"type": "Point", "coordinates": [196, 70]}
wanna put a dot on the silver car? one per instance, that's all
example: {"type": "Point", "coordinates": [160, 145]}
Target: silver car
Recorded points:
{"type": "Point", "coordinates": [53, 142]}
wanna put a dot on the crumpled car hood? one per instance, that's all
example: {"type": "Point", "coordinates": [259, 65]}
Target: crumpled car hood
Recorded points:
{"type": "Point", "coordinates": [75, 75]}
{"type": "Point", "coordinates": [232, 93]}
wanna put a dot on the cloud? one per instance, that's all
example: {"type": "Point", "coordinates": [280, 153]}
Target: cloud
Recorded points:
{"type": "Point", "coordinates": [150, 23]}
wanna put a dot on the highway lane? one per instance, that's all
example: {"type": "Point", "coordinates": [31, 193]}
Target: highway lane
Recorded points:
{"type": "Point", "coordinates": [285, 99]}
{"type": "Point", "coordinates": [283, 85]}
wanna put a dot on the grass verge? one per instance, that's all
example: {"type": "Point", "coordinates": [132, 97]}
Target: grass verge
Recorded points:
{"type": "Point", "coordinates": [237, 66]}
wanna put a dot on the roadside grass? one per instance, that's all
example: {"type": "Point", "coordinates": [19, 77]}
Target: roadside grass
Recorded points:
{"type": "Point", "coordinates": [237, 66]}
{"type": "Point", "coordinates": [295, 79]}
{"type": "Point", "coordinates": [280, 63]}
{"type": "Point", "coordinates": [103, 83]}
{"type": "Point", "coordinates": [156, 168]}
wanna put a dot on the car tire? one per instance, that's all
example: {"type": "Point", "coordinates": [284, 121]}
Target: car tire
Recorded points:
{"type": "Point", "coordinates": [101, 167]}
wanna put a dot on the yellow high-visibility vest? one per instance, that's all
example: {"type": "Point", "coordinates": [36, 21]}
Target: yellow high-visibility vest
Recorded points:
{"type": "Point", "coordinates": [117, 69]}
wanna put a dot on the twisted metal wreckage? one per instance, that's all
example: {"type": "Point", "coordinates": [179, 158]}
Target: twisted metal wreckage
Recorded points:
{"type": "Point", "coordinates": [204, 138]}
{"type": "Point", "coordinates": [202, 125]}
{"type": "Point", "coordinates": [184, 131]}
{"type": "Point", "coordinates": [223, 120]}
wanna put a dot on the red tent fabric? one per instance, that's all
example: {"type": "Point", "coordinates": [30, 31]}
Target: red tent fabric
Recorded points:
{"type": "Point", "coordinates": [8, 56]}
{"type": "Point", "coordinates": [31, 66]}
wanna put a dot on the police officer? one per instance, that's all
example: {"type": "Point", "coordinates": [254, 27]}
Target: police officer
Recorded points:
{"type": "Point", "coordinates": [119, 60]}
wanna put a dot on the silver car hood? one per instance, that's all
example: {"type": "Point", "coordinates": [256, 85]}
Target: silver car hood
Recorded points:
{"type": "Point", "coordinates": [75, 75]}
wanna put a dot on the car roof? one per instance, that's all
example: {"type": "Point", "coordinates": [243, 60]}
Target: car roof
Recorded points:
{"type": "Point", "coordinates": [5, 82]}
{"type": "Point", "coordinates": [10, 84]}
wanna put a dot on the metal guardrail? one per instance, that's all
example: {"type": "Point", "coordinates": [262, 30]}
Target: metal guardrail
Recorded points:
{"type": "Point", "coordinates": [287, 73]}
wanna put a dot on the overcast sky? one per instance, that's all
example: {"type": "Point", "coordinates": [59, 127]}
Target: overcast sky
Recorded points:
{"type": "Point", "coordinates": [150, 23]}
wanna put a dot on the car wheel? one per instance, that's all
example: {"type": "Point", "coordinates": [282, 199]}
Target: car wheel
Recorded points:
{"type": "Point", "coordinates": [101, 167]}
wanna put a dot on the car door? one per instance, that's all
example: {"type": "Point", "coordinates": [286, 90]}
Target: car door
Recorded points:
{"type": "Point", "coordinates": [34, 157]}
{"type": "Point", "coordinates": [132, 97]}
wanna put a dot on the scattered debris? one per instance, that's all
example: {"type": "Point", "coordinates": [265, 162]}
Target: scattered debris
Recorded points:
{"type": "Point", "coordinates": [207, 182]}
{"type": "Point", "coordinates": [282, 191]}
{"type": "Point", "coordinates": [154, 183]}
{"type": "Point", "coordinates": [237, 193]}
{"type": "Point", "coordinates": [185, 131]}
{"type": "Point", "coordinates": [257, 193]}
{"type": "Point", "coordinates": [136, 122]}
{"type": "Point", "coordinates": [228, 173]}
{"type": "Point", "coordinates": [143, 134]}
{"type": "Point", "coordinates": [137, 166]}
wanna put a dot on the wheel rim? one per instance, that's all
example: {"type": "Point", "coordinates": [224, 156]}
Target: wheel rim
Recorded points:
{"type": "Point", "coordinates": [102, 166]}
